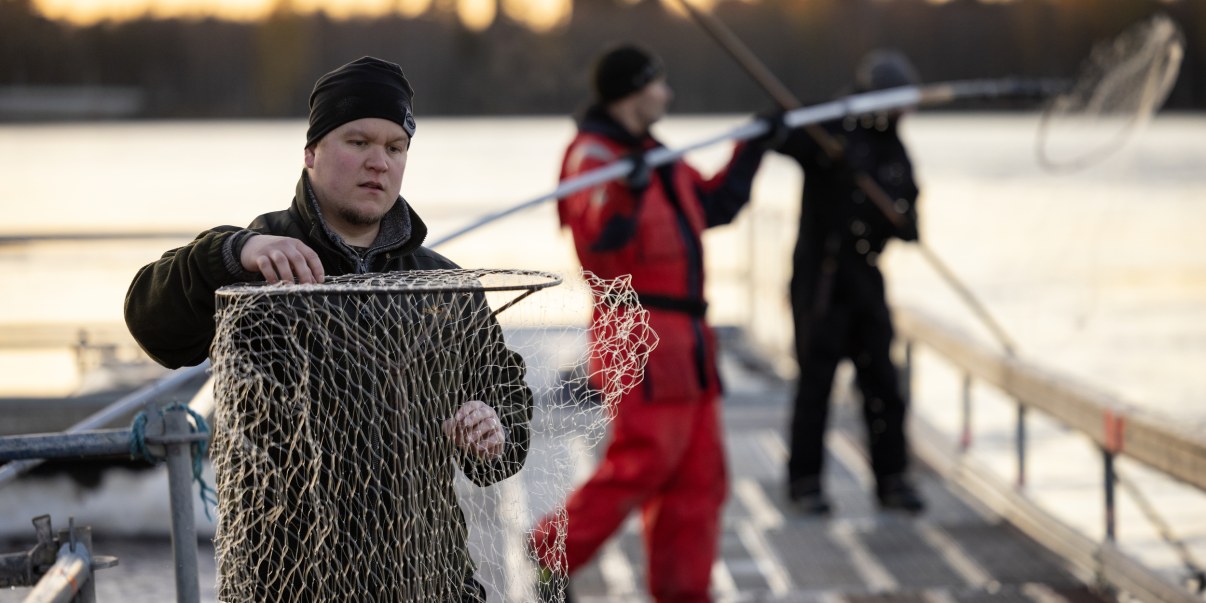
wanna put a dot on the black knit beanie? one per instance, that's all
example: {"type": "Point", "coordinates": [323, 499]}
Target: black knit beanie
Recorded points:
{"type": "Point", "coordinates": [624, 70]}
{"type": "Point", "coordinates": [885, 68]}
{"type": "Point", "coordinates": [366, 87]}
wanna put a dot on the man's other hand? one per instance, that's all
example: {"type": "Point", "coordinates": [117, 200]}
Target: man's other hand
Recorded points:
{"type": "Point", "coordinates": [281, 259]}
{"type": "Point", "coordinates": [476, 428]}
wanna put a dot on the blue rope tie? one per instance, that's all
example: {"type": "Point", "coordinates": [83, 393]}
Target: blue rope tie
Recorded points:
{"type": "Point", "coordinates": [138, 448]}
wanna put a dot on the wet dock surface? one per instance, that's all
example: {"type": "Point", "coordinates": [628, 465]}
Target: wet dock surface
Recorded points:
{"type": "Point", "coordinates": [955, 551]}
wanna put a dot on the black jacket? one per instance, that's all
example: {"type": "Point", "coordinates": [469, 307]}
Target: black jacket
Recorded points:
{"type": "Point", "coordinates": [170, 310]}
{"type": "Point", "coordinates": [836, 217]}
{"type": "Point", "coordinates": [170, 305]}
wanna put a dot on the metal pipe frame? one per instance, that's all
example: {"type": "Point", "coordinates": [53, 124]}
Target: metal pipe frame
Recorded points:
{"type": "Point", "coordinates": [174, 433]}
{"type": "Point", "coordinates": [180, 490]}
{"type": "Point", "coordinates": [86, 444]}
{"type": "Point", "coordinates": [103, 417]}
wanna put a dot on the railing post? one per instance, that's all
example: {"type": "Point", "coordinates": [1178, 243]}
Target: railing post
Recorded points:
{"type": "Point", "coordinates": [1109, 482]}
{"type": "Point", "coordinates": [180, 490]}
{"type": "Point", "coordinates": [1020, 442]}
{"type": "Point", "coordinates": [1113, 428]}
{"type": "Point", "coordinates": [965, 434]}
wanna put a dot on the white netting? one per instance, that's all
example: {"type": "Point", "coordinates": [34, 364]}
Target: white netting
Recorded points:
{"type": "Point", "coordinates": [335, 476]}
{"type": "Point", "coordinates": [1120, 86]}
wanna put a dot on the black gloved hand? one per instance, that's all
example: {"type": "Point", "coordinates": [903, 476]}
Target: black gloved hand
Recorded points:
{"type": "Point", "coordinates": [776, 131]}
{"type": "Point", "coordinates": [638, 179]}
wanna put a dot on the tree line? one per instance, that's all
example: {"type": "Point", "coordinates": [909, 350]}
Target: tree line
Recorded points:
{"type": "Point", "coordinates": [211, 68]}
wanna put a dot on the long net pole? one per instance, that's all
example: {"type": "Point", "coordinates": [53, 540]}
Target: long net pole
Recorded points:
{"type": "Point", "coordinates": [870, 102]}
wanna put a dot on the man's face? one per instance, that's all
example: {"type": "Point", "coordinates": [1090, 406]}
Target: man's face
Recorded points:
{"type": "Point", "coordinates": [356, 171]}
{"type": "Point", "coordinates": [653, 100]}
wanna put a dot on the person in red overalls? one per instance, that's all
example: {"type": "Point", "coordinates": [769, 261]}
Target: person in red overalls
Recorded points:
{"type": "Point", "coordinates": [666, 457]}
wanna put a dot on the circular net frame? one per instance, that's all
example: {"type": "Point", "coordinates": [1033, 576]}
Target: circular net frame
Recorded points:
{"type": "Point", "coordinates": [335, 478]}
{"type": "Point", "coordinates": [1119, 87]}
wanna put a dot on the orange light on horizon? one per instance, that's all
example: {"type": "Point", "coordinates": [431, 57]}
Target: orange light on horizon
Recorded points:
{"type": "Point", "coordinates": [413, 8]}
{"type": "Point", "coordinates": [477, 15]}
{"type": "Point", "coordinates": [539, 15]}
{"type": "Point", "coordinates": [676, 7]}
{"type": "Point", "coordinates": [90, 12]}
{"type": "Point", "coordinates": [344, 9]}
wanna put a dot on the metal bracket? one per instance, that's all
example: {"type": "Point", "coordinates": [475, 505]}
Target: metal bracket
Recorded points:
{"type": "Point", "coordinates": [27, 568]}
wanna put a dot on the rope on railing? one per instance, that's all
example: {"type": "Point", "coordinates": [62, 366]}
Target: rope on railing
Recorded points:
{"type": "Point", "coordinates": [139, 449]}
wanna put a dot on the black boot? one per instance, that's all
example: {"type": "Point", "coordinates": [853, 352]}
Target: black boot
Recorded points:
{"type": "Point", "coordinates": [807, 497]}
{"type": "Point", "coordinates": [896, 493]}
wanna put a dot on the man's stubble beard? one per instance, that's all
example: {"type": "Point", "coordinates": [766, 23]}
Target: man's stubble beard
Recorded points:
{"type": "Point", "coordinates": [357, 218]}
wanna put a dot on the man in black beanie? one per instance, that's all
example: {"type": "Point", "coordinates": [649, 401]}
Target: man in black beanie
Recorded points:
{"type": "Point", "coordinates": [666, 458]}
{"type": "Point", "coordinates": [346, 217]}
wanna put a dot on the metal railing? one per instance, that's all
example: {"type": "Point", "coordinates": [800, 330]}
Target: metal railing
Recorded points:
{"type": "Point", "coordinates": [166, 434]}
{"type": "Point", "coordinates": [1115, 429]}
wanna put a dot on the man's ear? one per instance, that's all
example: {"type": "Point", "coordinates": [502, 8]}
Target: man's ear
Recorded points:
{"type": "Point", "coordinates": [310, 157]}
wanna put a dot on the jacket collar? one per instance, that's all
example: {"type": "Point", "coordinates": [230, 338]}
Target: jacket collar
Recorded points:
{"type": "Point", "coordinates": [401, 228]}
{"type": "Point", "coordinates": [596, 120]}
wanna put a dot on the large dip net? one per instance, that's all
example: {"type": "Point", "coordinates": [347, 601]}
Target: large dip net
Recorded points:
{"type": "Point", "coordinates": [1121, 84]}
{"type": "Point", "coordinates": [338, 476]}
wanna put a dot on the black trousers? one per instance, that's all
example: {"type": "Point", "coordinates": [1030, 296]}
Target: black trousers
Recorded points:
{"type": "Point", "coordinates": [836, 317]}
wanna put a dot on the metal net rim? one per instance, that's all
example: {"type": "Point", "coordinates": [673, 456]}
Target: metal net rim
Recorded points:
{"type": "Point", "coordinates": [402, 282]}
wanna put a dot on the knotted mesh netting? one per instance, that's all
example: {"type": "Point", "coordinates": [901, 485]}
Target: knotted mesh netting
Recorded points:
{"type": "Point", "coordinates": [340, 472]}
{"type": "Point", "coordinates": [1121, 84]}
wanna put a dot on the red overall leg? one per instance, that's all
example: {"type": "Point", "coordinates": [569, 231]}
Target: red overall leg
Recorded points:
{"type": "Point", "coordinates": [682, 523]}
{"type": "Point", "coordinates": [648, 445]}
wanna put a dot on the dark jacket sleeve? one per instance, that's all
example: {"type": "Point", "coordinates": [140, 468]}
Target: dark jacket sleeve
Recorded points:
{"type": "Point", "coordinates": [169, 306]}
{"type": "Point", "coordinates": [497, 373]}
{"type": "Point", "coordinates": [801, 146]}
{"type": "Point", "coordinates": [723, 195]}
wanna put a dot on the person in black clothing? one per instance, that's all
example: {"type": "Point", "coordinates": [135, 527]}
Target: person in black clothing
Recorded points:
{"type": "Point", "coordinates": [347, 217]}
{"type": "Point", "coordinates": [837, 291]}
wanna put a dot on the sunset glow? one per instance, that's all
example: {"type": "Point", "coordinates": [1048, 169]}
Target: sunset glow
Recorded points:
{"type": "Point", "coordinates": [676, 7]}
{"type": "Point", "coordinates": [346, 9]}
{"type": "Point", "coordinates": [87, 12]}
{"type": "Point", "coordinates": [476, 14]}
{"type": "Point", "coordinates": [540, 15]}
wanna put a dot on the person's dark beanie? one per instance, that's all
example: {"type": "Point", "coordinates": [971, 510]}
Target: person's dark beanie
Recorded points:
{"type": "Point", "coordinates": [885, 68]}
{"type": "Point", "coordinates": [366, 87]}
{"type": "Point", "coordinates": [624, 70]}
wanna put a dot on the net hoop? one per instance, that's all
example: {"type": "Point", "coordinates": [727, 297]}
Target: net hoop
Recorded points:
{"type": "Point", "coordinates": [1119, 86]}
{"type": "Point", "coordinates": [457, 280]}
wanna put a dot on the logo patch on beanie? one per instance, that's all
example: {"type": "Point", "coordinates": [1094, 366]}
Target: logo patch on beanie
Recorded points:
{"type": "Point", "coordinates": [408, 121]}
